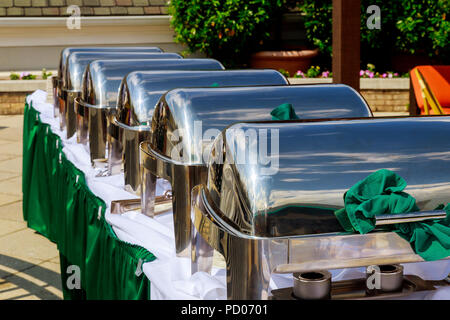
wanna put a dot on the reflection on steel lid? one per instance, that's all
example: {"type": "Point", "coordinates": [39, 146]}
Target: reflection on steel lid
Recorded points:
{"type": "Point", "coordinates": [103, 77]}
{"type": "Point", "coordinates": [67, 51]}
{"type": "Point", "coordinates": [140, 91]}
{"type": "Point", "coordinates": [309, 165]}
{"type": "Point", "coordinates": [217, 108]}
{"type": "Point", "coordinates": [78, 61]}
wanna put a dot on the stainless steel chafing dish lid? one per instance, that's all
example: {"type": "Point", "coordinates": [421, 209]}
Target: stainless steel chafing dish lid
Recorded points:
{"type": "Point", "coordinates": [67, 51]}
{"type": "Point", "coordinates": [140, 91]}
{"type": "Point", "coordinates": [103, 77]}
{"type": "Point", "coordinates": [78, 61]}
{"type": "Point", "coordinates": [217, 108]}
{"type": "Point", "coordinates": [297, 192]}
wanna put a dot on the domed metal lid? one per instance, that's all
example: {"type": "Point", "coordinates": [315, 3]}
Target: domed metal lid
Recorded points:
{"type": "Point", "coordinates": [294, 187]}
{"type": "Point", "coordinates": [67, 51]}
{"type": "Point", "coordinates": [200, 114]}
{"type": "Point", "coordinates": [78, 61]}
{"type": "Point", "coordinates": [140, 91]}
{"type": "Point", "coordinates": [103, 77]}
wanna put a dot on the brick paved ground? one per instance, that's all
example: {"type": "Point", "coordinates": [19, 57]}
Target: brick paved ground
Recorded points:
{"type": "Point", "coordinates": [29, 263]}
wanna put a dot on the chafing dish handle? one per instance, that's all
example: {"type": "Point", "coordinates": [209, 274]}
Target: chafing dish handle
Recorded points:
{"type": "Point", "coordinates": [131, 128]}
{"type": "Point", "coordinates": [387, 219]}
{"type": "Point", "coordinates": [122, 206]}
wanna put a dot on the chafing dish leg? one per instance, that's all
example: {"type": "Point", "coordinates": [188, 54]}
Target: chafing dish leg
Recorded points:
{"type": "Point", "coordinates": [202, 253]}
{"type": "Point", "coordinates": [130, 142]}
{"type": "Point", "coordinates": [82, 115]}
{"type": "Point", "coordinates": [97, 142]}
{"type": "Point", "coordinates": [71, 125]}
{"type": "Point", "coordinates": [248, 272]}
{"type": "Point", "coordinates": [148, 189]}
{"type": "Point", "coordinates": [55, 83]}
{"type": "Point", "coordinates": [181, 204]}
{"type": "Point", "coordinates": [62, 110]}
{"type": "Point", "coordinates": [85, 126]}
{"type": "Point", "coordinates": [115, 137]}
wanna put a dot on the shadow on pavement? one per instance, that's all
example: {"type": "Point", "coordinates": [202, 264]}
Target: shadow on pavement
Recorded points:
{"type": "Point", "coordinates": [33, 279]}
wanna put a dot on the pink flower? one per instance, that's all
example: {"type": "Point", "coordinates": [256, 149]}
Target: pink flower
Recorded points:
{"type": "Point", "coordinates": [371, 75]}
{"type": "Point", "coordinates": [384, 75]}
{"type": "Point", "coordinates": [24, 74]}
{"type": "Point", "coordinates": [361, 73]}
{"type": "Point", "coordinates": [390, 75]}
{"type": "Point", "coordinates": [300, 73]}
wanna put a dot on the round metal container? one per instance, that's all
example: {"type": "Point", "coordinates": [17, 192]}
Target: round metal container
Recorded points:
{"type": "Point", "coordinates": [312, 285]}
{"type": "Point", "coordinates": [388, 278]}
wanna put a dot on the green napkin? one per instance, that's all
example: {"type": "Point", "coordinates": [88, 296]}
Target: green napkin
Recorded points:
{"type": "Point", "coordinates": [284, 112]}
{"type": "Point", "coordinates": [382, 193]}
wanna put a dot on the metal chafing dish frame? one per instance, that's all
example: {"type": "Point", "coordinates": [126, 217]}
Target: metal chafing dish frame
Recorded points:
{"type": "Point", "coordinates": [57, 80]}
{"type": "Point", "coordinates": [119, 132]}
{"type": "Point", "coordinates": [99, 118]}
{"type": "Point", "coordinates": [131, 137]}
{"type": "Point", "coordinates": [183, 177]}
{"type": "Point", "coordinates": [250, 260]}
{"type": "Point", "coordinates": [67, 105]}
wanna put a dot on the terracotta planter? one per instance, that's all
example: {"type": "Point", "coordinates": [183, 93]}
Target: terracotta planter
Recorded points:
{"type": "Point", "coordinates": [291, 61]}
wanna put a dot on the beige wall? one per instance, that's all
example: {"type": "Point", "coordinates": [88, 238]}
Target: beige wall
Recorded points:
{"type": "Point", "coordinates": [35, 43]}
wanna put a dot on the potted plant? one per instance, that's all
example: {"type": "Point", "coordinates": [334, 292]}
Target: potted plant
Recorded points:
{"type": "Point", "coordinates": [225, 30]}
{"type": "Point", "coordinates": [288, 51]}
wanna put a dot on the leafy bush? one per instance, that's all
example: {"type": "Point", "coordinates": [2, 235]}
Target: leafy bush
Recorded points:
{"type": "Point", "coordinates": [407, 26]}
{"type": "Point", "coordinates": [14, 76]}
{"type": "Point", "coordinates": [45, 74]}
{"type": "Point", "coordinates": [22, 76]}
{"type": "Point", "coordinates": [27, 76]}
{"type": "Point", "coordinates": [424, 26]}
{"type": "Point", "coordinates": [228, 30]}
{"type": "Point", "coordinates": [284, 73]}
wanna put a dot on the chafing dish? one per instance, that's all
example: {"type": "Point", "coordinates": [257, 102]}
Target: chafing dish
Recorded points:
{"type": "Point", "coordinates": [140, 93]}
{"type": "Point", "coordinates": [198, 115]}
{"type": "Point", "coordinates": [99, 95]}
{"type": "Point", "coordinates": [58, 79]}
{"type": "Point", "coordinates": [277, 216]}
{"type": "Point", "coordinates": [76, 65]}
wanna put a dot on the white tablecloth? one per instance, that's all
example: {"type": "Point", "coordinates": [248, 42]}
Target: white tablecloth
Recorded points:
{"type": "Point", "coordinates": [169, 275]}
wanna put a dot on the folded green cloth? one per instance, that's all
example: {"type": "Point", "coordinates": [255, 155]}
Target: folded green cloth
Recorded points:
{"type": "Point", "coordinates": [284, 112]}
{"type": "Point", "coordinates": [382, 193]}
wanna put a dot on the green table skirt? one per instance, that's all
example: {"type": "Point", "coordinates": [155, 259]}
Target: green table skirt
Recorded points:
{"type": "Point", "coordinates": [58, 204]}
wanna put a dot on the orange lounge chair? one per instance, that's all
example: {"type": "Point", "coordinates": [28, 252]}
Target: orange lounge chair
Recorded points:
{"type": "Point", "coordinates": [430, 92]}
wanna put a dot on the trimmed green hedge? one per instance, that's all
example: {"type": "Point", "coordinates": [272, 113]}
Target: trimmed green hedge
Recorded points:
{"type": "Point", "coordinates": [228, 30]}
{"type": "Point", "coordinates": [407, 26]}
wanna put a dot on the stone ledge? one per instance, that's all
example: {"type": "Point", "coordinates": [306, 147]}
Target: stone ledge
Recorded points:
{"type": "Point", "coordinates": [22, 85]}
{"type": "Point", "coordinates": [365, 84]}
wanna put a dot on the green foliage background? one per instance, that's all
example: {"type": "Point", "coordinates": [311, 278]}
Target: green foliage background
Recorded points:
{"type": "Point", "coordinates": [228, 30]}
{"type": "Point", "coordinates": [407, 26]}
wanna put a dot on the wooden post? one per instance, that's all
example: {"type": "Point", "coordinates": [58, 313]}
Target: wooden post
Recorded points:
{"type": "Point", "coordinates": [346, 42]}
{"type": "Point", "coordinates": [413, 109]}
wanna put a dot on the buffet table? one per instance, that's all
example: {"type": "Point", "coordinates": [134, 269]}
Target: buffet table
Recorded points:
{"type": "Point", "coordinates": [127, 256]}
